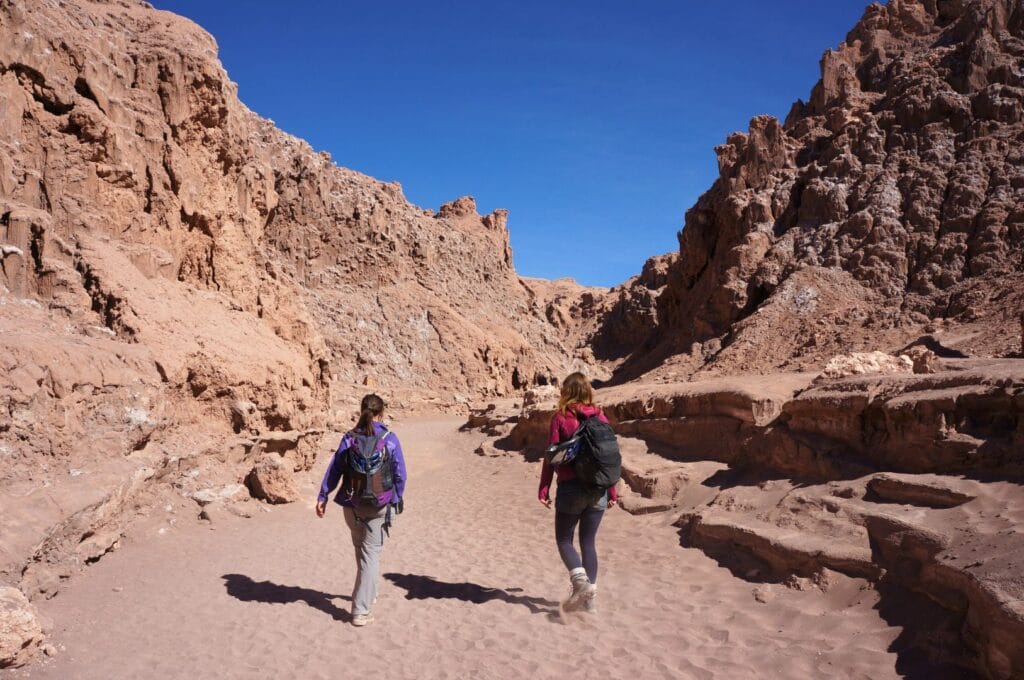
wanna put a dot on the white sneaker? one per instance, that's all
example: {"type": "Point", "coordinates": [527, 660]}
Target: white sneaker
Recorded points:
{"type": "Point", "coordinates": [360, 620]}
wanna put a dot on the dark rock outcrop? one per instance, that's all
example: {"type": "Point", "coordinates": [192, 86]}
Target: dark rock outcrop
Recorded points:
{"type": "Point", "coordinates": [889, 201]}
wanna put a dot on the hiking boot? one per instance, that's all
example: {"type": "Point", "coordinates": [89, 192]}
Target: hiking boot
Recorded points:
{"type": "Point", "coordinates": [582, 591]}
{"type": "Point", "coordinates": [360, 620]}
{"type": "Point", "coordinates": [590, 604]}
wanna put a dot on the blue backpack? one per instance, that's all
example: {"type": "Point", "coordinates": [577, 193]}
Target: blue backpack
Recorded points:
{"type": "Point", "coordinates": [368, 475]}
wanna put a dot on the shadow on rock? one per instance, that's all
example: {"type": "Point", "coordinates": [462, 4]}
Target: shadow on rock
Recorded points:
{"type": "Point", "coordinates": [420, 587]}
{"type": "Point", "coordinates": [930, 646]}
{"type": "Point", "coordinates": [731, 477]}
{"type": "Point", "coordinates": [741, 563]}
{"type": "Point", "coordinates": [243, 588]}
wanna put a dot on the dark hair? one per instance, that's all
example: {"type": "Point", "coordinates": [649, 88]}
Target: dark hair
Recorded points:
{"type": "Point", "coordinates": [371, 407]}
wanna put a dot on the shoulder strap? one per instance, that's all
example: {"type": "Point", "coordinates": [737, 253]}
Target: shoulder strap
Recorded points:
{"type": "Point", "coordinates": [384, 439]}
{"type": "Point", "coordinates": [581, 420]}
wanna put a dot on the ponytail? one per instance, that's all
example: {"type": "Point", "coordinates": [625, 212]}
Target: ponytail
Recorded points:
{"type": "Point", "coordinates": [371, 407]}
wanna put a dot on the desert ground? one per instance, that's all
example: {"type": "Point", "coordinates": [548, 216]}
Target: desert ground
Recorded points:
{"type": "Point", "coordinates": [471, 588]}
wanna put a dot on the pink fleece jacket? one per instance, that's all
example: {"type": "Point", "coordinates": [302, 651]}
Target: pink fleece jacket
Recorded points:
{"type": "Point", "coordinates": [563, 425]}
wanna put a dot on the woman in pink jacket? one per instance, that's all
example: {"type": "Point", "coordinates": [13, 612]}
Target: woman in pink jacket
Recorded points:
{"type": "Point", "coordinates": [576, 504]}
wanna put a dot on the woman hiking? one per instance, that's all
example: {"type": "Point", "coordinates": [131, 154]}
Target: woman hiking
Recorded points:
{"type": "Point", "coordinates": [371, 469]}
{"type": "Point", "coordinates": [576, 504]}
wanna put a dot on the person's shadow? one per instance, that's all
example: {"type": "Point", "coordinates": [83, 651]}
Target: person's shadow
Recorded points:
{"type": "Point", "coordinates": [420, 587]}
{"type": "Point", "coordinates": [244, 588]}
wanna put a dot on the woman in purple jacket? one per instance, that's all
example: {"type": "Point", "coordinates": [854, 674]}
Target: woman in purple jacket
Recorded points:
{"type": "Point", "coordinates": [371, 469]}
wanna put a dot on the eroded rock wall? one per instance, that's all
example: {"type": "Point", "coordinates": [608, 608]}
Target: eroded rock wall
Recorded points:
{"type": "Point", "coordinates": [186, 290]}
{"type": "Point", "coordinates": [909, 481]}
{"type": "Point", "coordinates": [121, 125]}
{"type": "Point", "coordinates": [887, 205]}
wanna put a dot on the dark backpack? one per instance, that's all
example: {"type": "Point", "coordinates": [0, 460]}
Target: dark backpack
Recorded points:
{"type": "Point", "coordinates": [598, 461]}
{"type": "Point", "coordinates": [368, 472]}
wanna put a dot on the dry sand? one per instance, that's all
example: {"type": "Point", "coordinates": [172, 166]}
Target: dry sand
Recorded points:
{"type": "Point", "coordinates": [471, 585]}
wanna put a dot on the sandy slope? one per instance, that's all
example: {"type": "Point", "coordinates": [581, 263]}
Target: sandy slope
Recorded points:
{"type": "Point", "coordinates": [472, 582]}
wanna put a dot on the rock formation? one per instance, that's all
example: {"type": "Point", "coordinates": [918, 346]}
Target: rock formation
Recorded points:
{"type": "Point", "coordinates": [889, 202]}
{"type": "Point", "coordinates": [604, 326]}
{"type": "Point", "coordinates": [909, 481]}
{"type": "Point", "coordinates": [860, 363]}
{"type": "Point", "coordinates": [186, 292]}
{"type": "Point", "coordinates": [20, 631]}
{"type": "Point", "coordinates": [880, 226]}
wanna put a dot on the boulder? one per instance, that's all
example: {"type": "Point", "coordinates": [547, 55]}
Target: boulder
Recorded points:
{"type": "Point", "coordinates": [213, 495]}
{"type": "Point", "coordinates": [861, 363]}
{"type": "Point", "coordinates": [21, 633]}
{"type": "Point", "coordinates": [542, 397]}
{"type": "Point", "coordinates": [924, 359]}
{"type": "Point", "coordinates": [271, 480]}
{"type": "Point", "coordinates": [531, 429]}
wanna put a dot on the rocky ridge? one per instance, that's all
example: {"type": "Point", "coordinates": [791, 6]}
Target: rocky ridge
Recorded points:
{"type": "Point", "coordinates": [886, 207]}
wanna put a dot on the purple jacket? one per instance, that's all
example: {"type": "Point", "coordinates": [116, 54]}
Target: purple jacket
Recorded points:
{"type": "Point", "coordinates": [337, 464]}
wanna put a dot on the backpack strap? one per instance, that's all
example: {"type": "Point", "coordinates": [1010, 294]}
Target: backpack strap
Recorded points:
{"type": "Point", "coordinates": [386, 527]}
{"type": "Point", "coordinates": [579, 428]}
{"type": "Point", "coordinates": [581, 419]}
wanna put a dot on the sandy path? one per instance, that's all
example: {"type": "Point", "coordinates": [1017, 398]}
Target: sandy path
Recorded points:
{"type": "Point", "coordinates": [471, 589]}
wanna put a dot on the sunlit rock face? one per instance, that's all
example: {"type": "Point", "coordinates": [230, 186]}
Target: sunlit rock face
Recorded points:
{"type": "Point", "coordinates": [886, 207]}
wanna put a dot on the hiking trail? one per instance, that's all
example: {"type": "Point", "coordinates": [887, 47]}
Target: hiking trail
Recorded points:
{"type": "Point", "coordinates": [470, 589]}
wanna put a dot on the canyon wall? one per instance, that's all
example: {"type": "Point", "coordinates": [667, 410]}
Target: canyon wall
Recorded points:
{"type": "Point", "coordinates": [886, 207]}
{"type": "Point", "coordinates": [188, 295]}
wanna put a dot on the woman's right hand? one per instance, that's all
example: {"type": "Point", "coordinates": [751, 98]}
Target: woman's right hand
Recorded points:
{"type": "Point", "coordinates": [544, 497]}
{"type": "Point", "coordinates": [321, 508]}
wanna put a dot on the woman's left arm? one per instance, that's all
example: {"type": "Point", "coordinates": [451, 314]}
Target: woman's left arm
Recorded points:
{"type": "Point", "coordinates": [333, 474]}
{"type": "Point", "coordinates": [398, 466]}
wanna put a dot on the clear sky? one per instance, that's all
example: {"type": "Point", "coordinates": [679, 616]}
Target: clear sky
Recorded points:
{"type": "Point", "coordinates": [592, 121]}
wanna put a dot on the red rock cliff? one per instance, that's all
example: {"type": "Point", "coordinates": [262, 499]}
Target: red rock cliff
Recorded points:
{"type": "Point", "coordinates": [889, 202]}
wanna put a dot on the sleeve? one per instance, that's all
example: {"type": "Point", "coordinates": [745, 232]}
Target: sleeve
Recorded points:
{"type": "Point", "coordinates": [333, 474]}
{"type": "Point", "coordinates": [547, 472]}
{"type": "Point", "coordinates": [398, 463]}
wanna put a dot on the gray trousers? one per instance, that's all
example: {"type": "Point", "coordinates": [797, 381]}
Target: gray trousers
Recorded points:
{"type": "Point", "coordinates": [367, 527]}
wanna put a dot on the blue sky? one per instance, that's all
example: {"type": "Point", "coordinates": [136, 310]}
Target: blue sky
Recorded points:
{"type": "Point", "coordinates": [592, 121]}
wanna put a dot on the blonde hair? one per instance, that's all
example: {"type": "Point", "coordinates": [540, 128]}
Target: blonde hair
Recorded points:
{"type": "Point", "coordinates": [576, 389]}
